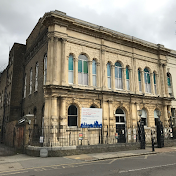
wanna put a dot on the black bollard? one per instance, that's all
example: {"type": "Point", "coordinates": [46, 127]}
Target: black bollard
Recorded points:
{"type": "Point", "coordinates": [153, 147]}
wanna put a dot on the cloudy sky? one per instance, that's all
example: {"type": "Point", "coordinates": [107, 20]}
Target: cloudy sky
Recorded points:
{"type": "Point", "coordinates": [151, 20]}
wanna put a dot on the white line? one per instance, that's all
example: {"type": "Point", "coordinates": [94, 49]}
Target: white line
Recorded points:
{"type": "Point", "coordinates": [133, 170]}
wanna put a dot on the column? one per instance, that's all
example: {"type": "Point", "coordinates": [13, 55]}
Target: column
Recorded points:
{"type": "Point", "coordinates": [162, 90]}
{"type": "Point", "coordinates": [98, 74]}
{"type": "Point", "coordinates": [165, 81]}
{"type": "Point", "coordinates": [152, 83]}
{"type": "Point", "coordinates": [49, 60]}
{"type": "Point", "coordinates": [75, 71]}
{"type": "Point", "coordinates": [104, 76]}
{"type": "Point", "coordinates": [113, 77]}
{"type": "Point", "coordinates": [55, 63]}
{"type": "Point", "coordinates": [157, 84]}
{"type": "Point", "coordinates": [90, 73]}
{"type": "Point", "coordinates": [131, 78]}
{"type": "Point", "coordinates": [47, 121]}
{"type": "Point", "coordinates": [66, 70]}
{"type": "Point", "coordinates": [63, 119]}
{"type": "Point", "coordinates": [54, 121]}
{"type": "Point", "coordinates": [142, 82]}
{"type": "Point", "coordinates": [124, 78]}
{"type": "Point", "coordinates": [165, 117]}
{"type": "Point", "coordinates": [63, 58]}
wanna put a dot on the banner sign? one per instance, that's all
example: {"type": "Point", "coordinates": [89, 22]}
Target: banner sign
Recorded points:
{"type": "Point", "coordinates": [80, 136]}
{"type": "Point", "coordinates": [91, 118]}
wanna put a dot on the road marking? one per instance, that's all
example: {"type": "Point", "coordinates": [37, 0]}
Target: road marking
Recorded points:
{"type": "Point", "coordinates": [145, 168]}
{"type": "Point", "coordinates": [146, 156]}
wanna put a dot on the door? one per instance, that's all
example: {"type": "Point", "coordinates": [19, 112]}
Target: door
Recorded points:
{"type": "Point", "coordinates": [120, 125]}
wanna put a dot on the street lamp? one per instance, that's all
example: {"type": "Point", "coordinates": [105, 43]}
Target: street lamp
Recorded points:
{"type": "Point", "coordinates": [158, 114]}
{"type": "Point", "coordinates": [140, 113]}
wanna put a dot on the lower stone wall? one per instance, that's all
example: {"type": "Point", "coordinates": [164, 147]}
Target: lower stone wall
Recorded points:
{"type": "Point", "coordinates": [59, 152]}
{"type": "Point", "coordinates": [170, 143]}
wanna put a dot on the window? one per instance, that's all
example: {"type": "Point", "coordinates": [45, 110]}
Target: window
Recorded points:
{"type": "Point", "coordinates": [173, 116]}
{"type": "Point", "coordinates": [147, 80]}
{"type": "Point", "coordinates": [144, 117]}
{"type": "Point", "coordinates": [72, 115]}
{"type": "Point", "coordinates": [25, 78]}
{"type": "Point", "coordinates": [94, 72]}
{"type": "Point", "coordinates": [30, 84]}
{"type": "Point", "coordinates": [45, 69]}
{"type": "Point", "coordinates": [127, 78]}
{"type": "Point", "coordinates": [154, 81]}
{"type": "Point", "coordinates": [169, 83]}
{"type": "Point", "coordinates": [36, 76]}
{"type": "Point", "coordinates": [118, 75]}
{"type": "Point", "coordinates": [70, 69]}
{"type": "Point", "coordinates": [109, 75]}
{"type": "Point", "coordinates": [139, 79]}
{"type": "Point", "coordinates": [82, 70]}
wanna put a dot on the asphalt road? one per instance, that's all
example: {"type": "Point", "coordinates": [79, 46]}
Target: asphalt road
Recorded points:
{"type": "Point", "coordinates": [163, 164]}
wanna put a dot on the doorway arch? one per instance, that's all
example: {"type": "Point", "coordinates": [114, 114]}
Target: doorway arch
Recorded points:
{"type": "Point", "coordinates": [120, 125]}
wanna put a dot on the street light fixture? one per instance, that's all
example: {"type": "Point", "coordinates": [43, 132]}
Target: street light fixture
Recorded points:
{"type": "Point", "coordinates": [140, 113]}
{"type": "Point", "coordinates": [158, 114]}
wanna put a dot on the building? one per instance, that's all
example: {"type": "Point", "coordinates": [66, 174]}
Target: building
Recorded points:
{"type": "Point", "coordinates": [70, 64]}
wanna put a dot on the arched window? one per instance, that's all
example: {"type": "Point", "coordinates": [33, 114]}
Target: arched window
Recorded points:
{"type": "Point", "coordinates": [169, 83]}
{"type": "Point", "coordinates": [72, 115]}
{"type": "Point", "coordinates": [36, 76]}
{"type": "Point", "coordinates": [94, 72]}
{"type": "Point", "coordinates": [92, 106]}
{"type": "Point", "coordinates": [144, 117]}
{"type": "Point", "coordinates": [70, 69]}
{"type": "Point", "coordinates": [82, 70]}
{"type": "Point", "coordinates": [139, 80]}
{"type": "Point", "coordinates": [30, 83]}
{"type": "Point", "coordinates": [154, 82]}
{"type": "Point", "coordinates": [45, 69]}
{"type": "Point", "coordinates": [118, 75]}
{"type": "Point", "coordinates": [147, 80]}
{"type": "Point", "coordinates": [109, 75]}
{"type": "Point", "coordinates": [127, 78]}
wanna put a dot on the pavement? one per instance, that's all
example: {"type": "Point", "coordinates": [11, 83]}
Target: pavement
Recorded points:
{"type": "Point", "coordinates": [22, 161]}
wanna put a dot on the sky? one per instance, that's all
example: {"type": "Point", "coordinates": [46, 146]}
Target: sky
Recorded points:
{"type": "Point", "coordinates": [150, 20]}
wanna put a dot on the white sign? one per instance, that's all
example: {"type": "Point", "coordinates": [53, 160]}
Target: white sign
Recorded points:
{"type": "Point", "coordinates": [41, 139]}
{"type": "Point", "coordinates": [91, 118]}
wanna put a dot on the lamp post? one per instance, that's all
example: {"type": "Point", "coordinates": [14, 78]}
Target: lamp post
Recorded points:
{"type": "Point", "coordinates": [141, 130]}
{"type": "Point", "coordinates": [160, 135]}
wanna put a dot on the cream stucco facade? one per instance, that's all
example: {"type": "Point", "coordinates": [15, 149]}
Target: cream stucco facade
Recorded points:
{"type": "Point", "coordinates": [69, 36]}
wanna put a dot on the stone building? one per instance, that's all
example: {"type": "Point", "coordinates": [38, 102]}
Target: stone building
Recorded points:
{"type": "Point", "coordinates": [70, 64]}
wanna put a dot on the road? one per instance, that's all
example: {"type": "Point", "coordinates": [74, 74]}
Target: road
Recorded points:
{"type": "Point", "coordinates": [161, 164]}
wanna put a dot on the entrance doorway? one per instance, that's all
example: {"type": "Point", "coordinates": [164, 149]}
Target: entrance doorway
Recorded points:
{"type": "Point", "coordinates": [120, 125]}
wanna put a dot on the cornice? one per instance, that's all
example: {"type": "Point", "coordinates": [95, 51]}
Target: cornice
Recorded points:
{"type": "Point", "coordinates": [61, 19]}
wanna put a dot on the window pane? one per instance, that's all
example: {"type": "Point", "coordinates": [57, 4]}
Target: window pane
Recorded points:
{"type": "Point", "coordinates": [70, 76]}
{"type": "Point", "coordinates": [128, 84]}
{"type": "Point", "coordinates": [139, 75]}
{"type": "Point", "coordinates": [122, 119]}
{"type": "Point", "coordinates": [117, 119]}
{"type": "Point", "coordinates": [117, 64]}
{"type": "Point", "coordinates": [148, 78]}
{"type": "Point", "coordinates": [79, 66]}
{"type": "Point", "coordinates": [154, 79]}
{"type": "Point", "coordinates": [93, 67]}
{"type": "Point", "coordinates": [94, 80]}
{"type": "Point", "coordinates": [145, 77]}
{"type": "Point", "coordinates": [116, 72]}
{"type": "Point", "coordinates": [70, 63]}
{"type": "Point", "coordinates": [72, 110]}
{"type": "Point", "coordinates": [72, 120]}
{"type": "Point", "coordinates": [120, 72]}
{"type": "Point", "coordinates": [109, 82]}
{"type": "Point", "coordinates": [168, 81]}
{"type": "Point", "coordinates": [108, 70]}
{"type": "Point", "coordinates": [80, 80]}
{"type": "Point", "coordinates": [85, 67]}
{"type": "Point", "coordinates": [85, 79]}
{"type": "Point", "coordinates": [127, 73]}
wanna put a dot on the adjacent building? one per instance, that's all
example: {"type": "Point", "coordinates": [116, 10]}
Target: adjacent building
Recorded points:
{"type": "Point", "coordinates": [68, 64]}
